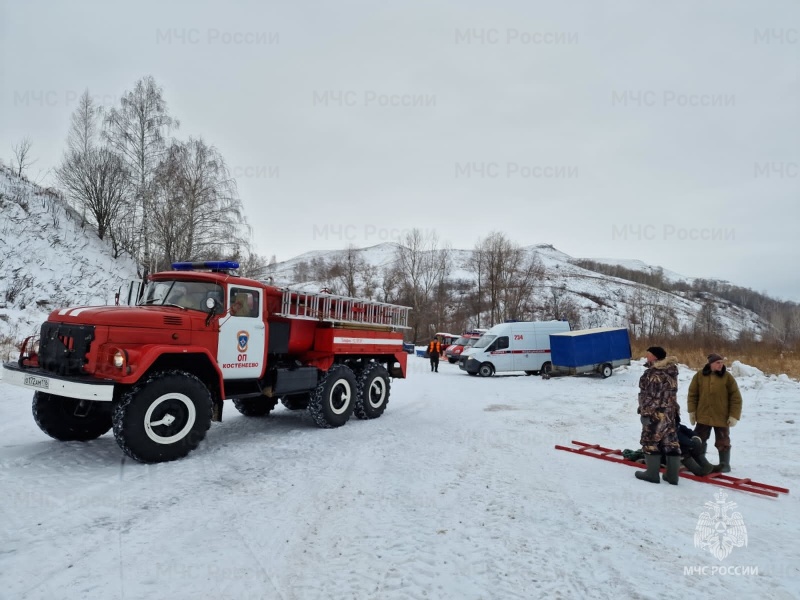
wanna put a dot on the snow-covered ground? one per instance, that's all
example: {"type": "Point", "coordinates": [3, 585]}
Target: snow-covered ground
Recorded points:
{"type": "Point", "coordinates": [455, 492]}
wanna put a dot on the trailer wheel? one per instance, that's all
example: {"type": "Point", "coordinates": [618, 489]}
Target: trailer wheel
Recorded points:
{"type": "Point", "coordinates": [373, 392]}
{"type": "Point", "coordinates": [606, 370]}
{"type": "Point", "coordinates": [333, 400]}
{"type": "Point", "coordinates": [255, 407]}
{"type": "Point", "coordinates": [295, 401]}
{"type": "Point", "coordinates": [163, 418]}
{"type": "Point", "coordinates": [486, 370]}
{"type": "Point", "coordinates": [70, 419]}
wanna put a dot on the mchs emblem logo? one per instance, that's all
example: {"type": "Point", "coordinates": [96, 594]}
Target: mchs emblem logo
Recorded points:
{"type": "Point", "coordinates": [718, 530]}
{"type": "Point", "coordinates": [242, 338]}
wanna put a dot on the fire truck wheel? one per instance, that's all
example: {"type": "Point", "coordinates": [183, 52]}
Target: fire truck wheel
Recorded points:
{"type": "Point", "coordinates": [334, 398]}
{"type": "Point", "coordinates": [255, 407]}
{"type": "Point", "coordinates": [373, 392]}
{"type": "Point", "coordinates": [69, 419]}
{"type": "Point", "coordinates": [163, 418]}
{"type": "Point", "coordinates": [295, 401]}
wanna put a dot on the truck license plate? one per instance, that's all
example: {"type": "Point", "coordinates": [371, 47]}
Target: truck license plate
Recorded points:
{"type": "Point", "coordinates": [37, 382]}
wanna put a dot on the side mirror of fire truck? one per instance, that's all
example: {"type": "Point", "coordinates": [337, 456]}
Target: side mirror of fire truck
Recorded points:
{"type": "Point", "coordinates": [214, 307]}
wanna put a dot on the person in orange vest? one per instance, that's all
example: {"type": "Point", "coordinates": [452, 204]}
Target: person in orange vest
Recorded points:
{"type": "Point", "coordinates": [434, 349]}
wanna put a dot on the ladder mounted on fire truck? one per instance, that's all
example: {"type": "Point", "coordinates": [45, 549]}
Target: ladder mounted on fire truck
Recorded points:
{"type": "Point", "coordinates": [321, 306]}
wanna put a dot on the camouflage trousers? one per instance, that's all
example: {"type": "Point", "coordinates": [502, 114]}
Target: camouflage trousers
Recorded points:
{"type": "Point", "coordinates": [661, 434]}
{"type": "Point", "coordinates": [722, 435]}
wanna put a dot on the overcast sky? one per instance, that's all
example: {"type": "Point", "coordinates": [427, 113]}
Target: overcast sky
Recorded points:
{"type": "Point", "coordinates": [665, 132]}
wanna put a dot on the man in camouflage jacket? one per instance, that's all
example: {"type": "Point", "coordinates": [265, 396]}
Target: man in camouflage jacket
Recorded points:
{"type": "Point", "coordinates": [658, 410]}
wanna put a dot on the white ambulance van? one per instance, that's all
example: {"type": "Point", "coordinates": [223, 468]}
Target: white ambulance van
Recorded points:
{"type": "Point", "coordinates": [515, 346]}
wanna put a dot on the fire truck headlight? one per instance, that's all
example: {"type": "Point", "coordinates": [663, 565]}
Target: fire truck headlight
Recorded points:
{"type": "Point", "coordinates": [119, 359]}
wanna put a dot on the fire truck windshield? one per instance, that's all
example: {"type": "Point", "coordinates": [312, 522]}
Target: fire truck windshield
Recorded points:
{"type": "Point", "coordinates": [183, 294]}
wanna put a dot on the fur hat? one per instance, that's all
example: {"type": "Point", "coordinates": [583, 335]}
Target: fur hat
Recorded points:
{"type": "Point", "coordinates": [658, 352]}
{"type": "Point", "coordinates": [714, 357]}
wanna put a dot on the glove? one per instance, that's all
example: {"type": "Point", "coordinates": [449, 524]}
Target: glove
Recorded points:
{"type": "Point", "coordinates": [645, 421]}
{"type": "Point", "coordinates": [692, 418]}
{"type": "Point", "coordinates": [732, 422]}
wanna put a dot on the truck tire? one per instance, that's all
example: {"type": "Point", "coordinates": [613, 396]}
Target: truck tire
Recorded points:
{"type": "Point", "coordinates": [486, 370]}
{"type": "Point", "coordinates": [452, 361]}
{"type": "Point", "coordinates": [373, 392]}
{"type": "Point", "coordinates": [163, 418]}
{"type": "Point", "coordinates": [70, 419]}
{"type": "Point", "coordinates": [606, 370]}
{"type": "Point", "coordinates": [255, 407]}
{"type": "Point", "coordinates": [295, 401]}
{"type": "Point", "coordinates": [333, 400]}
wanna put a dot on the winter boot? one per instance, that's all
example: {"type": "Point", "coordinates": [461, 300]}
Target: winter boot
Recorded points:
{"type": "Point", "coordinates": [701, 460]}
{"type": "Point", "coordinates": [653, 462]}
{"type": "Point", "coordinates": [724, 465]}
{"type": "Point", "coordinates": [694, 467]}
{"type": "Point", "coordinates": [673, 466]}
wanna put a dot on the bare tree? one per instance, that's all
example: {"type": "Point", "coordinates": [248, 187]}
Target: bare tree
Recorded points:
{"type": "Point", "coordinates": [84, 125]}
{"type": "Point", "coordinates": [420, 264]}
{"type": "Point", "coordinates": [137, 131]}
{"type": "Point", "coordinates": [562, 307]}
{"type": "Point", "coordinates": [347, 268]}
{"type": "Point", "coordinates": [477, 264]}
{"type": "Point", "coordinates": [22, 156]}
{"type": "Point", "coordinates": [197, 212]}
{"type": "Point", "coordinates": [509, 275]}
{"type": "Point", "coordinates": [98, 181]}
{"type": "Point", "coordinates": [253, 266]}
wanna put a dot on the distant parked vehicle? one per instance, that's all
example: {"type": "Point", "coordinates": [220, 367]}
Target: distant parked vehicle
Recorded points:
{"type": "Point", "coordinates": [466, 340]}
{"type": "Point", "coordinates": [517, 346]}
{"type": "Point", "coordinates": [599, 350]}
{"type": "Point", "coordinates": [408, 347]}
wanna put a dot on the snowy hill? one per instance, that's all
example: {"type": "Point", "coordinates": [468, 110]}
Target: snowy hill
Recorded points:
{"type": "Point", "coordinates": [49, 260]}
{"type": "Point", "coordinates": [603, 300]}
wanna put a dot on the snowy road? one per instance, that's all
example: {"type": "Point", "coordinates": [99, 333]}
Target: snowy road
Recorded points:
{"type": "Point", "coordinates": [455, 492]}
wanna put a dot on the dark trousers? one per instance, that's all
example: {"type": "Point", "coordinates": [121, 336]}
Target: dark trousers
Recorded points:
{"type": "Point", "coordinates": [435, 362]}
{"type": "Point", "coordinates": [722, 435]}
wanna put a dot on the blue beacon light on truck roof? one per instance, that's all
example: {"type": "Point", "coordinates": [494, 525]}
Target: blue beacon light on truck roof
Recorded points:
{"type": "Point", "coordinates": [213, 265]}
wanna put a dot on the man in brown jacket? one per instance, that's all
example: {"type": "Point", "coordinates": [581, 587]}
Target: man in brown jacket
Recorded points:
{"type": "Point", "coordinates": [715, 402]}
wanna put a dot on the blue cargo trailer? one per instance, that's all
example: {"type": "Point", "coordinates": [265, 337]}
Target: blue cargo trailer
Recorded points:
{"type": "Point", "coordinates": [597, 350]}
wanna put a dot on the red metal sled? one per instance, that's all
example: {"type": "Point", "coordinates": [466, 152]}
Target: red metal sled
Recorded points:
{"type": "Point", "coordinates": [720, 479]}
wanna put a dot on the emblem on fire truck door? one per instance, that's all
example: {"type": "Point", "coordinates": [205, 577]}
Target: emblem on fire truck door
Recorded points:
{"type": "Point", "coordinates": [242, 338]}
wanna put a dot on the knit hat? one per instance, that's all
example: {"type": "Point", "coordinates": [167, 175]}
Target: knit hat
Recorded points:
{"type": "Point", "coordinates": [714, 357]}
{"type": "Point", "coordinates": [658, 352]}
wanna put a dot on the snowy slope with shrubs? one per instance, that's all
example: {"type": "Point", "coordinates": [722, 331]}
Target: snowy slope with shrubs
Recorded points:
{"type": "Point", "coordinates": [48, 259]}
{"type": "Point", "coordinates": [603, 300]}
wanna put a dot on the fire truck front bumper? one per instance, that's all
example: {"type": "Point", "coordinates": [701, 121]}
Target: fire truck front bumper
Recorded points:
{"type": "Point", "coordinates": [39, 380]}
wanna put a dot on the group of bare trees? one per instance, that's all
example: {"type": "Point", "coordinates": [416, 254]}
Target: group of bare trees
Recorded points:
{"type": "Point", "coordinates": [157, 198]}
{"type": "Point", "coordinates": [503, 282]}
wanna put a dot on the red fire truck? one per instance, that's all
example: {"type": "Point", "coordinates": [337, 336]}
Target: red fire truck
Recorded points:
{"type": "Point", "coordinates": [158, 371]}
